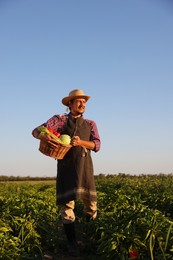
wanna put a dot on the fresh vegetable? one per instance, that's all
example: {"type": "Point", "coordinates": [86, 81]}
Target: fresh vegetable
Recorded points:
{"type": "Point", "coordinates": [57, 134]}
{"type": "Point", "coordinates": [50, 129]}
{"type": "Point", "coordinates": [63, 139]}
{"type": "Point", "coordinates": [133, 253]}
{"type": "Point", "coordinates": [43, 130]}
{"type": "Point", "coordinates": [66, 139]}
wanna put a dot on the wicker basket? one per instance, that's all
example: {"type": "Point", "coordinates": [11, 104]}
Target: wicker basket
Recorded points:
{"type": "Point", "coordinates": [57, 151]}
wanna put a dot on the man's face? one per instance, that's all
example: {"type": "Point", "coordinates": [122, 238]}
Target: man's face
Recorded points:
{"type": "Point", "coordinates": [77, 106]}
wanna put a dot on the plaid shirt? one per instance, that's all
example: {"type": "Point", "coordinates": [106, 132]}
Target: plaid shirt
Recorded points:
{"type": "Point", "coordinates": [57, 122]}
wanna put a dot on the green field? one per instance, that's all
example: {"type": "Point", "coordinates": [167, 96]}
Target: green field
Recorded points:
{"type": "Point", "coordinates": [134, 220]}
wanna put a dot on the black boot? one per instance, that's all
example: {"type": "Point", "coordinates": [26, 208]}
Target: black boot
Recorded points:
{"type": "Point", "coordinates": [88, 218]}
{"type": "Point", "coordinates": [72, 244]}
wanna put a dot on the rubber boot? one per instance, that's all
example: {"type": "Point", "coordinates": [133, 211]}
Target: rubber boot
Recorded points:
{"type": "Point", "coordinates": [88, 218]}
{"type": "Point", "coordinates": [72, 244]}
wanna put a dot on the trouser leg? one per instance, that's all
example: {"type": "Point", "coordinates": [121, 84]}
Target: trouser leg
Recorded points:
{"type": "Point", "coordinates": [67, 212]}
{"type": "Point", "coordinates": [90, 209]}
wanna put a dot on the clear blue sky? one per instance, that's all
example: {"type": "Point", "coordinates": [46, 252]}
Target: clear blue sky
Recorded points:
{"type": "Point", "coordinates": [118, 51]}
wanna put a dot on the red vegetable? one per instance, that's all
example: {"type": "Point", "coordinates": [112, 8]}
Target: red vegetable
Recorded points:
{"type": "Point", "coordinates": [133, 253]}
{"type": "Point", "coordinates": [57, 134]}
{"type": "Point", "coordinates": [50, 129]}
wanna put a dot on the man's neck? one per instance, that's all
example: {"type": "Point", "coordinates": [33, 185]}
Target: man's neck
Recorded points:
{"type": "Point", "coordinates": [75, 116]}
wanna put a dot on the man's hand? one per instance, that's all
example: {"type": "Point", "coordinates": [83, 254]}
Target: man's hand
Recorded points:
{"type": "Point", "coordinates": [49, 140]}
{"type": "Point", "coordinates": [44, 137]}
{"type": "Point", "coordinates": [76, 141]}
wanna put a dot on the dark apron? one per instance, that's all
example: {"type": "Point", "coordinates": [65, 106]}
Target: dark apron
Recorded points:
{"type": "Point", "coordinates": [75, 177]}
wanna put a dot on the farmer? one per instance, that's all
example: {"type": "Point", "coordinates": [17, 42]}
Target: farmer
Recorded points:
{"type": "Point", "coordinates": [75, 174]}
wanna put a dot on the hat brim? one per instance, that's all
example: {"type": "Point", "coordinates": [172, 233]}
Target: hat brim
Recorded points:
{"type": "Point", "coordinates": [66, 100]}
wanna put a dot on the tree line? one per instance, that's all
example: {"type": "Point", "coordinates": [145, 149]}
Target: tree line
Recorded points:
{"type": "Point", "coordinates": [4, 178]}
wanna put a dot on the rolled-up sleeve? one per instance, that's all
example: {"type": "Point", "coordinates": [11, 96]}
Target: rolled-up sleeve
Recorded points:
{"type": "Point", "coordinates": [95, 135]}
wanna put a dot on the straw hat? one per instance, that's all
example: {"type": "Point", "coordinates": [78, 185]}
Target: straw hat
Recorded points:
{"type": "Point", "coordinates": [76, 93]}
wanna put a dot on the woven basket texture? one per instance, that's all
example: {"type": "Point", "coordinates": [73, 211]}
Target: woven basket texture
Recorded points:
{"type": "Point", "coordinates": [58, 151]}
